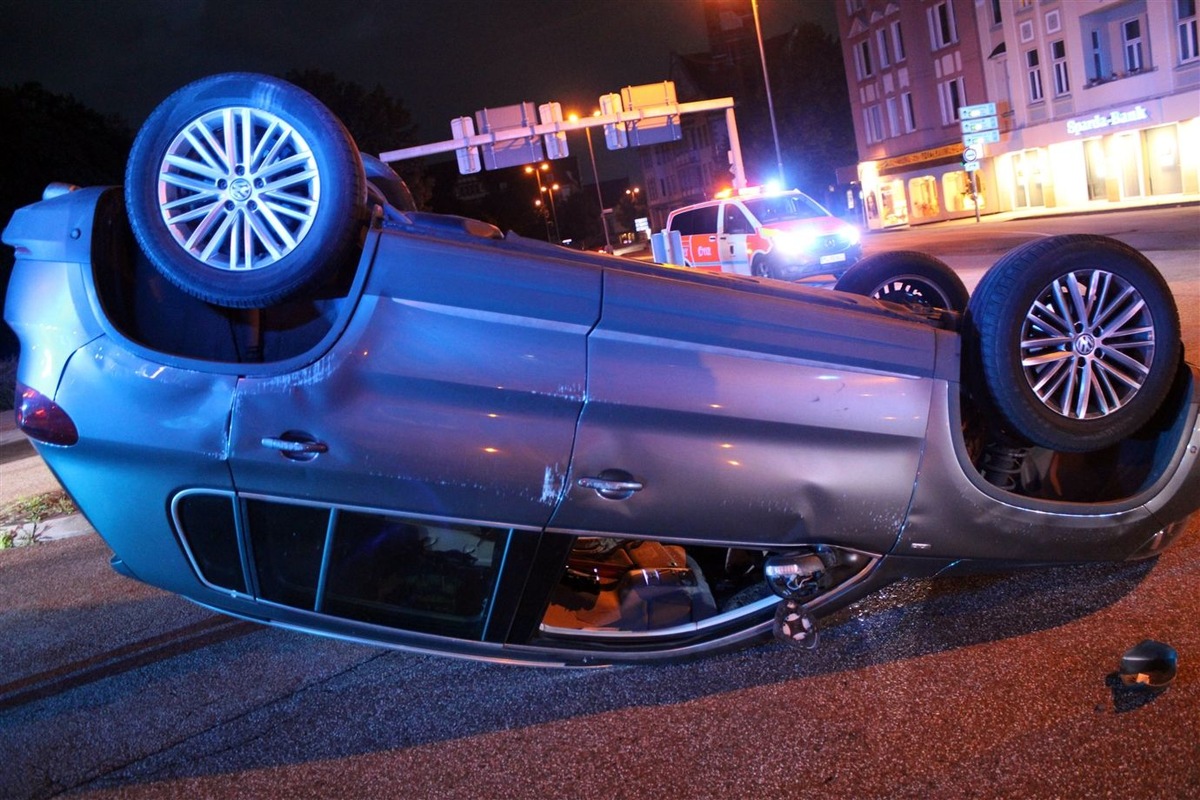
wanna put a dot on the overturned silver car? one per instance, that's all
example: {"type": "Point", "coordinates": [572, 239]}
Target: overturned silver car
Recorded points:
{"type": "Point", "coordinates": [278, 390]}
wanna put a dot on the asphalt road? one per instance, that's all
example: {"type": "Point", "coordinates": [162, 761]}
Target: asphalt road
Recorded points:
{"type": "Point", "coordinates": [995, 686]}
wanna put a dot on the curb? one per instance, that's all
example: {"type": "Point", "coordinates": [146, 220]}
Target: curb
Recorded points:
{"type": "Point", "coordinates": [51, 529]}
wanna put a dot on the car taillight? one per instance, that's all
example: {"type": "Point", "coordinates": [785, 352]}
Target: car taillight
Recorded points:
{"type": "Point", "coordinates": [43, 419]}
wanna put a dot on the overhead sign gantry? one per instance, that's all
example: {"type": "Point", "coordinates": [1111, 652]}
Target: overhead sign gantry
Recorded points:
{"type": "Point", "coordinates": [511, 135]}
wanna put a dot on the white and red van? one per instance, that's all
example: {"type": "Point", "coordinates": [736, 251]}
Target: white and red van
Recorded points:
{"type": "Point", "coordinates": [785, 235]}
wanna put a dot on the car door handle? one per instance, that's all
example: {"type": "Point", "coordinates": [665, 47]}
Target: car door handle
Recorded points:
{"type": "Point", "coordinates": [611, 484]}
{"type": "Point", "coordinates": [296, 446]}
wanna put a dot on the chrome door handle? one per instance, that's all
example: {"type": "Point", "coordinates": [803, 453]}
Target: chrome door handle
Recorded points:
{"type": "Point", "coordinates": [611, 484]}
{"type": "Point", "coordinates": [296, 446]}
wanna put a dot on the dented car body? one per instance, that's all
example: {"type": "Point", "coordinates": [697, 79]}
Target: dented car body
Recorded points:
{"type": "Point", "coordinates": [466, 451]}
{"type": "Point", "coordinates": [276, 389]}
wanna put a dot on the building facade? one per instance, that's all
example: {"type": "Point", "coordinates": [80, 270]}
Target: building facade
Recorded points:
{"type": "Point", "coordinates": [1098, 103]}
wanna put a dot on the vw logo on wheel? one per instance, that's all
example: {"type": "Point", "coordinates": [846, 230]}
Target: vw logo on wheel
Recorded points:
{"type": "Point", "coordinates": [1085, 344]}
{"type": "Point", "coordinates": [240, 189]}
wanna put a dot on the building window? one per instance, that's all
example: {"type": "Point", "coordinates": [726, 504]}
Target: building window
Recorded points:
{"type": "Point", "coordinates": [910, 117]}
{"type": "Point", "coordinates": [1131, 37]}
{"type": "Point", "coordinates": [952, 94]}
{"type": "Point", "coordinates": [897, 42]}
{"type": "Point", "coordinates": [997, 13]}
{"type": "Point", "coordinates": [1033, 64]}
{"type": "Point", "coordinates": [942, 31]}
{"type": "Point", "coordinates": [884, 50]}
{"type": "Point", "coordinates": [862, 59]}
{"type": "Point", "coordinates": [1099, 56]}
{"type": "Point", "coordinates": [873, 117]}
{"type": "Point", "coordinates": [1185, 11]}
{"type": "Point", "coordinates": [1062, 81]}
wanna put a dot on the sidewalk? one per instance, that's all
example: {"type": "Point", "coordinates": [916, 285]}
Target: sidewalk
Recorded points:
{"type": "Point", "coordinates": [24, 474]}
{"type": "Point", "coordinates": [1138, 204]}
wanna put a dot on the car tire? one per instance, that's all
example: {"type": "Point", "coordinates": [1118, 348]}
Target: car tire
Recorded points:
{"type": "Point", "coordinates": [758, 268]}
{"type": "Point", "coordinates": [244, 190]}
{"type": "Point", "coordinates": [907, 277]}
{"type": "Point", "coordinates": [1076, 339]}
{"type": "Point", "coordinates": [388, 183]}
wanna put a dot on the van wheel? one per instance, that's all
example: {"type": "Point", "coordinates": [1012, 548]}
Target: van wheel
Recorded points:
{"type": "Point", "coordinates": [908, 277]}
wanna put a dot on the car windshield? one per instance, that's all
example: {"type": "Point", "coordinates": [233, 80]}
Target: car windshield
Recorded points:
{"type": "Point", "coordinates": [783, 207]}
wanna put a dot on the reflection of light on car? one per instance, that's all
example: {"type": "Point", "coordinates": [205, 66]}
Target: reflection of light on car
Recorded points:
{"type": "Point", "coordinates": [491, 450]}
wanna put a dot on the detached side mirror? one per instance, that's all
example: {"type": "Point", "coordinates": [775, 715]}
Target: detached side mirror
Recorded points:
{"type": "Point", "coordinates": [1149, 663]}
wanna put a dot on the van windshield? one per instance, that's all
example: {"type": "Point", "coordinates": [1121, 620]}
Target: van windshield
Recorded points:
{"type": "Point", "coordinates": [783, 207]}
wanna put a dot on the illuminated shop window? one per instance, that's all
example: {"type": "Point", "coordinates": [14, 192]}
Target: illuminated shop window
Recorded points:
{"type": "Point", "coordinates": [1163, 173]}
{"type": "Point", "coordinates": [923, 196]}
{"type": "Point", "coordinates": [956, 188]}
{"type": "Point", "coordinates": [1095, 161]}
{"type": "Point", "coordinates": [893, 206]}
{"type": "Point", "coordinates": [1027, 179]}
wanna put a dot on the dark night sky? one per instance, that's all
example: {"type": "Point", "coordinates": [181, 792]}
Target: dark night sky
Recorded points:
{"type": "Point", "coordinates": [441, 58]}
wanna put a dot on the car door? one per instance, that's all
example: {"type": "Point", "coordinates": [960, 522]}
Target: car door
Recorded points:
{"type": "Point", "coordinates": [733, 239]}
{"type": "Point", "coordinates": [741, 417]}
{"type": "Point", "coordinates": [453, 393]}
{"type": "Point", "coordinates": [699, 237]}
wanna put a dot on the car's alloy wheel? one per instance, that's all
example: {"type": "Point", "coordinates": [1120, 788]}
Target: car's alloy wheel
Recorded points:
{"type": "Point", "coordinates": [1087, 344]}
{"type": "Point", "coordinates": [1077, 340]}
{"type": "Point", "coordinates": [245, 191]}
{"type": "Point", "coordinates": [239, 188]}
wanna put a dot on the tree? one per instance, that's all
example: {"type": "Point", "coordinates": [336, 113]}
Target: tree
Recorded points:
{"type": "Point", "coordinates": [48, 137]}
{"type": "Point", "coordinates": [376, 121]}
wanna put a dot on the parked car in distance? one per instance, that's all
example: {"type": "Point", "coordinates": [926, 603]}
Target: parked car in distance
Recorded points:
{"type": "Point", "coordinates": [755, 231]}
{"type": "Point", "coordinates": [277, 389]}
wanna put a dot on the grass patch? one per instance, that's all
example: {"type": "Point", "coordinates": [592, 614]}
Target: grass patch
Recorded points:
{"type": "Point", "coordinates": [20, 520]}
{"type": "Point", "coordinates": [36, 508]}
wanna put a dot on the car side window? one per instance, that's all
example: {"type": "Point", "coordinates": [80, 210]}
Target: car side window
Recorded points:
{"type": "Point", "coordinates": [706, 220]}
{"type": "Point", "coordinates": [684, 222]}
{"type": "Point", "coordinates": [735, 220]}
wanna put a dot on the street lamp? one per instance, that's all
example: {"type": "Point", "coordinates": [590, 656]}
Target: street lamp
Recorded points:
{"type": "Point", "coordinates": [762, 57]}
{"type": "Point", "coordinates": [596, 177]}
{"type": "Point", "coordinates": [551, 189]}
{"type": "Point", "coordinates": [537, 173]}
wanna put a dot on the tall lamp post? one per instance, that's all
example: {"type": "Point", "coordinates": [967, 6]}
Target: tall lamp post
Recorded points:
{"type": "Point", "coordinates": [551, 189]}
{"type": "Point", "coordinates": [537, 173]}
{"type": "Point", "coordinates": [762, 57]}
{"type": "Point", "coordinates": [596, 177]}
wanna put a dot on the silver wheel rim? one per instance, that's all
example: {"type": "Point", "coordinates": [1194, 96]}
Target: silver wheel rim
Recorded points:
{"type": "Point", "coordinates": [1087, 344]}
{"type": "Point", "coordinates": [238, 188]}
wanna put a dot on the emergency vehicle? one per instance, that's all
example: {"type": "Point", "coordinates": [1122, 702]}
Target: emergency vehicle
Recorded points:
{"type": "Point", "coordinates": [784, 235]}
